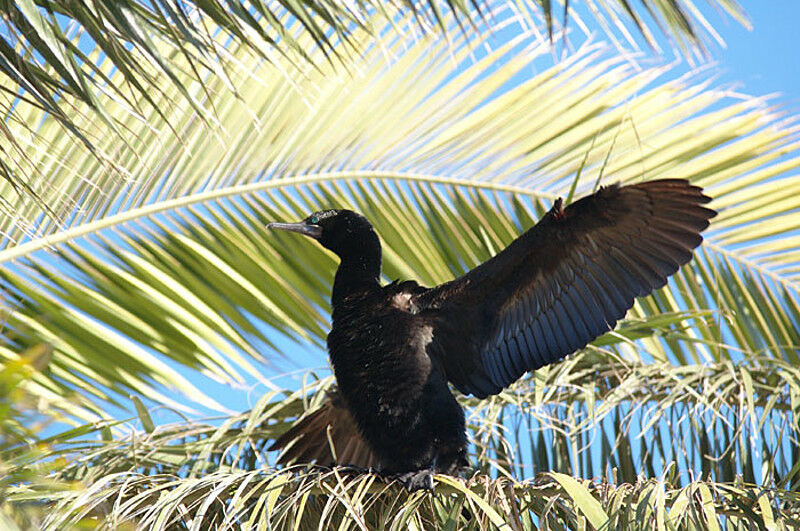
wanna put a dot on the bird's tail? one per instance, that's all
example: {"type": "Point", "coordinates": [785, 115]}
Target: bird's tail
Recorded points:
{"type": "Point", "coordinates": [326, 436]}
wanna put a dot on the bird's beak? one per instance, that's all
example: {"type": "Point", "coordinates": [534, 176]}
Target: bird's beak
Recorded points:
{"type": "Point", "coordinates": [314, 231]}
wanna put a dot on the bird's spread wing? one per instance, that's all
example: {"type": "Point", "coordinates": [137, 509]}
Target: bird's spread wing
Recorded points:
{"type": "Point", "coordinates": [563, 283]}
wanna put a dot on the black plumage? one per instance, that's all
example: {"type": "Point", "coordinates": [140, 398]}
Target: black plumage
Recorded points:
{"type": "Point", "coordinates": [559, 285]}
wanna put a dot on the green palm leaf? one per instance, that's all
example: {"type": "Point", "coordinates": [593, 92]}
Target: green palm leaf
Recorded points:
{"type": "Point", "coordinates": [130, 61]}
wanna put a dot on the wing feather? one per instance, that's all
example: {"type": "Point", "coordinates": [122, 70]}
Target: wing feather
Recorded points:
{"type": "Point", "coordinates": [564, 282]}
{"type": "Point", "coordinates": [309, 440]}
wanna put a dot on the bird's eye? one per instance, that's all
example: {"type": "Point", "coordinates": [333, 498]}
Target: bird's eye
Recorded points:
{"type": "Point", "coordinates": [314, 220]}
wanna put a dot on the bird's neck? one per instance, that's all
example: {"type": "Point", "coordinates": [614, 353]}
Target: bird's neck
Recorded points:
{"type": "Point", "coordinates": [358, 273]}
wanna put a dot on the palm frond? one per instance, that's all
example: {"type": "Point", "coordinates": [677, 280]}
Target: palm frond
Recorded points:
{"type": "Point", "coordinates": [69, 64]}
{"type": "Point", "coordinates": [721, 421]}
{"type": "Point", "coordinates": [731, 421]}
{"type": "Point", "coordinates": [219, 474]}
{"type": "Point", "coordinates": [232, 500]}
{"type": "Point", "coordinates": [24, 413]}
{"type": "Point", "coordinates": [681, 21]}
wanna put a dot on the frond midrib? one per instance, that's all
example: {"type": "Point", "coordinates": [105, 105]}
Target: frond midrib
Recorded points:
{"type": "Point", "coordinates": [22, 250]}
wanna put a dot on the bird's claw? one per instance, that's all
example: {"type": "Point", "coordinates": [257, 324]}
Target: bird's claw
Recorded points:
{"type": "Point", "coordinates": [417, 480]}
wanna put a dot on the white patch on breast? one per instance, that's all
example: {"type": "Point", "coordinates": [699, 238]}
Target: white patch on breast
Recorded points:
{"type": "Point", "coordinates": [419, 343]}
{"type": "Point", "coordinates": [426, 334]}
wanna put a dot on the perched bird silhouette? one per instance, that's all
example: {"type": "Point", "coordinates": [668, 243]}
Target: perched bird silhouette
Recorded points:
{"type": "Point", "coordinates": [394, 348]}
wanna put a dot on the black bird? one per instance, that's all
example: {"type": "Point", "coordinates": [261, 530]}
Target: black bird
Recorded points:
{"type": "Point", "coordinates": [394, 348]}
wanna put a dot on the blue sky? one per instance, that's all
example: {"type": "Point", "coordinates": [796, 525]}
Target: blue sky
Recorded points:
{"type": "Point", "coordinates": [767, 59]}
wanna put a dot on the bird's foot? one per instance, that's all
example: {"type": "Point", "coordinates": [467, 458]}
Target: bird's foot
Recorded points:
{"type": "Point", "coordinates": [417, 480]}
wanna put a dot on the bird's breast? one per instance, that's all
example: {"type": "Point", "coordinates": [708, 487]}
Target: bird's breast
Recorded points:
{"type": "Point", "coordinates": [379, 355]}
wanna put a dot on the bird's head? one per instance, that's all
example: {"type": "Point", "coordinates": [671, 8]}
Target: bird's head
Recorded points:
{"type": "Point", "coordinates": [342, 231]}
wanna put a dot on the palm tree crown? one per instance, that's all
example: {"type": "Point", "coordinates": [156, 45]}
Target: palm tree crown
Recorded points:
{"type": "Point", "coordinates": [141, 170]}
